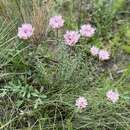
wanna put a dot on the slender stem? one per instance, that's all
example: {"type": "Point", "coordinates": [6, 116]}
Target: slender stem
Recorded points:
{"type": "Point", "coordinates": [72, 115]}
{"type": "Point", "coordinates": [79, 18]}
{"type": "Point", "coordinates": [19, 8]}
{"type": "Point", "coordinates": [57, 36]}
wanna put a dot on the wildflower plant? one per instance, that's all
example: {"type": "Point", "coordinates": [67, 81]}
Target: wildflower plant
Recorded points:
{"type": "Point", "coordinates": [94, 51]}
{"type": "Point", "coordinates": [71, 38]}
{"type": "Point", "coordinates": [81, 103]}
{"type": "Point", "coordinates": [112, 96]}
{"type": "Point", "coordinates": [87, 30]}
{"type": "Point", "coordinates": [26, 31]}
{"type": "Point", "coordinates": [56, 22]}
{"type": "Point", "coordinates": [69, 85]}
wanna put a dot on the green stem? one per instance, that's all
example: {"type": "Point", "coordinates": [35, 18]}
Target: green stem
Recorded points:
{"type": "Point", "coordinates": [57, 36]}
{"type": "Point", "coordinates": [19, 8]}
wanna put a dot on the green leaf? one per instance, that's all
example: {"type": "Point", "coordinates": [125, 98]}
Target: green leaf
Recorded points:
{"type": "Point", "coordinates": [3, 93]}
{"type": "Point", "coordinates": [34, 94]}
{"type": "Point", "coordinates": [43, 96]}
{"type": "Point", "coordinates": [19, 103]}
{"type": "Point", "coordinates": [126, 48]}
{"type": "Point", "coordinates": [117, 5]}
{"type": "Point", "coordinates": [37, 102]}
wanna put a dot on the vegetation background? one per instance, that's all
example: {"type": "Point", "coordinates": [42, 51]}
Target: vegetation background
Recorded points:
{"type": "Point", "coordinates": [40, 79]}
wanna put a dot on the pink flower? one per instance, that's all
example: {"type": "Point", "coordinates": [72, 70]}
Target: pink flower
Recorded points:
{"type": "Point", "coordinates": [94, 51]}
{"type": "Point", "coordinates": [81, 103]}
{"type": "Point", "coordinates": [87, 30]}
{"type": "Point", "coordinates": [56, 22]}
{"type": "Point", "coordinates": [104, 55]}
{"type": "Point", "coordinates": [112, 96]}
{"type": "Point", "coordinates": [71, 38]}
{"type": "Point", "coordinates": [26, 31]}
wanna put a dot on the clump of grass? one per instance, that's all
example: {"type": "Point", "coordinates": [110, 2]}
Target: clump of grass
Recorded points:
{"type": "Point", "coordinates": [40, 16]}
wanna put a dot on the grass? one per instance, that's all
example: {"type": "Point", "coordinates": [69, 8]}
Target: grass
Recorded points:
{"type": "Point", "coordinates": [41, 78]}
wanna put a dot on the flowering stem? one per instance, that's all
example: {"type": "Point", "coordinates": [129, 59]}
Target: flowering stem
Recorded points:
{"type": "Point", "coordinates": [34, 56]}
{"type": "Point", "coordinates": [57, 35]}
{"type": "Point", "coordinates": [72, 115]}
{"type": "Point", "coordinates": [19, 8]}
{"type": "Point", "coordinates": [79, 18]}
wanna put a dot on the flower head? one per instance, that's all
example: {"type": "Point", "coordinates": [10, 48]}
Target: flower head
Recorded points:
{"type": "Point", "coordinates": [104, 55]}
{"type": "Point", "coordinates": [112, 96]}
{"type": "Point", "coordinates": [71, 38]}
{"type": "Point", "coordinates": [25, 31]}
{"type": "Point", "coordinates": [87, 30]}
{"type": "Point", "coordinates": [56, 22]}
{"type": "Point", "coordinates": [94, 51]}
{"type": "Point", "coordinates": [81, 103]}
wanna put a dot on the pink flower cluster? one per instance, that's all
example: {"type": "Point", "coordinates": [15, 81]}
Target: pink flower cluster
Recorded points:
{"type": "Point", "coordinates": [71, 38]}
{"type": "Point", "coordinates": [103, 54]}
{"type": "Point", "coordinates": [94, 51]}
{"type": "Point", "coordinates": [112, 96]}
{"type": "Point", "coordinates": [81, 103]}
{"type": "Point", "coordinates": [87, 30]}
{"type": "Point", "coordinates": [25, 31]}
{"type": "Point", "coordinates": [56, 22]}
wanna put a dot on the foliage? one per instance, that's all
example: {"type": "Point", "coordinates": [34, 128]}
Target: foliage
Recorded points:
{"type": "Point", "coordinates": [40, 78]}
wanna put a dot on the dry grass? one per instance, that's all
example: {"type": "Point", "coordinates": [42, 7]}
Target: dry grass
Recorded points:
{"type": "Point", "coordinates": [40, 15]}
{"type": "Point", "coordinates": [37, 14]}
